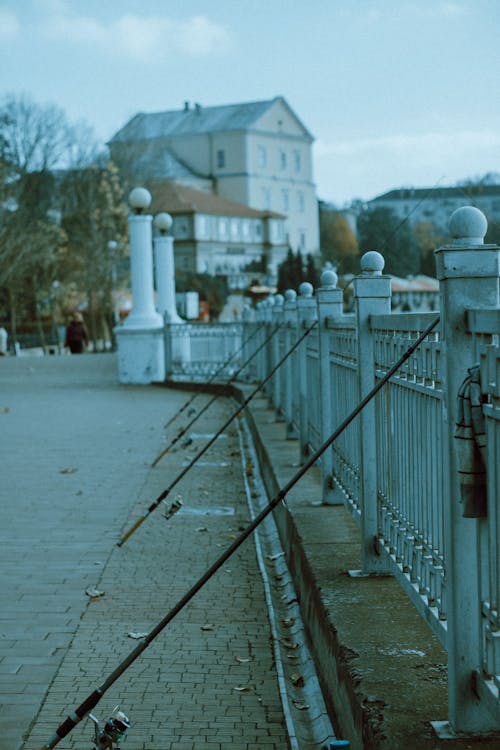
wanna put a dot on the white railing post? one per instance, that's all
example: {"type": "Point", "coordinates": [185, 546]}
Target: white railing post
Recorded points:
{"type": "Point", "coordinates": [290, 326]}
{"type": "Point", "coordinates": [329, 300]}
{"type": "Point", "coordinates": [468, 272]}
{"type": "Point", "coordinates": [307, 313]}
{"type": "Point", "coordinates": [372, 293]}
{"type": "Point", "coordinates": [261, 337]}
{"type": "Point", "coordinates": [267, 306]}
{"type": "Point", "coordinates": [277, 321]}
{"type": "Point", "coordinates": [246, 317]}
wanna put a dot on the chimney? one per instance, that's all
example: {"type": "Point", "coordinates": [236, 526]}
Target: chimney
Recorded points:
{"type": "Point", "coordinates": [197, 108]}
{"type": "Point", "coordinates": [186, 106]}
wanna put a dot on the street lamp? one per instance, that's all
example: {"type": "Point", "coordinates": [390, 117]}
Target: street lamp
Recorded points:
{"type": "Point", "coordinates": [112, 247]}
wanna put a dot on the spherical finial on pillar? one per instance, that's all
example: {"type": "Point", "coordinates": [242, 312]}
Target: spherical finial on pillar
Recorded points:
{"type": "Point", "coordinates": [372, 263]}
{"type": "Point", "coordinates": [163, 222]}
{"type": "Point", "coordinates": [290, 295]}
{"type": "Point", "coordinates": [278, 300]}
{"type": "Point", "coordinates": [306, 289]}
{"type": "Point", "coordinates": [139, 199]}
{"type": "Point", "coordinates": [329, 279]}
{"type": "Point", "coordinates": [468, 226]}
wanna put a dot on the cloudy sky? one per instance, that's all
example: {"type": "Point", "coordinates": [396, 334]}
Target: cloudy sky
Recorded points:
{"type": "Point", "coordinates": [396, 92]}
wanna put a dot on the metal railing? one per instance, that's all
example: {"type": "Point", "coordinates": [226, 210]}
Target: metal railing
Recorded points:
{"type": "Point", "coordinates": [395, 467]}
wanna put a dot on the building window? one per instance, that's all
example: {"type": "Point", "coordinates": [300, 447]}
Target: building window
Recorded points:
{"type": "Point", "coordinates": [285, 200]}
{"type": "Point", "coordinates": [262, 156]}
{"type": "Point", "coordinates": [266, 198]}
{"type": "Point", "coordinates": [245, 227]}
{"type": "Point", "coordinates": [296, 160]}
{"type": "Point", "coordinates": [223, 227]}
{"type": "Point", "coordinates": [221, 158]}
{"type": "Point", "coordinates": [258, 229]}
{"type": "Point", "coordinates": [282, 159]}
{"type": "Point", "coordinates": [300, 202]}
{"type": "Point", "coordinates": [202, 226]}
{"type": "Point", "coordinates": [302, 241]}
{"type": "Point", "coordinates": [234, 229]}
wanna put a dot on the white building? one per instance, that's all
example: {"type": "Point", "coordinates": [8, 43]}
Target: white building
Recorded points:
{"type": "Point", "coordinates": [436, 205]}
{"type": "Point", "coordinates": [256, 153]}
{"type": "Point", "coordinates": [220, 237]}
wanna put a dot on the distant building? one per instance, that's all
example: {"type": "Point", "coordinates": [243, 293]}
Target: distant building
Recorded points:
{"type": "Point", "coordinates": [220, 237]}
{"type": "Point", "coordinates": [256, 153]}
{"type": "Point", "coordinates": [435, 205]}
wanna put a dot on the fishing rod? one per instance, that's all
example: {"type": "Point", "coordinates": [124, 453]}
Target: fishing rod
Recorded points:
{"type": "Point", "coordinates": [212, 379]}
{"type": "Point", "coordinates": [200, 453]}
{"type": "Point", "coordinates": [214, 398]}
{"type": "Point", "coordinates": [93, 699]}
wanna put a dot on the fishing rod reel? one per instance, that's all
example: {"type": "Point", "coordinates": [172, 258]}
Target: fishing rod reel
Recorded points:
{"type": "Point", "coordinates": [114, 730]}
{"type": "Point", "coordinates": [173, 508]}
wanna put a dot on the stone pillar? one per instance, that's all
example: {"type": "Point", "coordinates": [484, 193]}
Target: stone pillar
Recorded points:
{"type": "Point", "coordinates": [468, 271]}
{"type": "Point", "coordinates": [329, 300]}
{"type": "Point", "coordinates": [372, 293]}
{"type": "Point", "coordinates": [140, 337]}
{"type": "Point", "coordinates": [290, 336]}
{"type": "Point", "coordinates": [307, 313]}
{"type": "Point", "coordinates": [165, 269]}
{"type": "Point", "coordinates": [277, 323]}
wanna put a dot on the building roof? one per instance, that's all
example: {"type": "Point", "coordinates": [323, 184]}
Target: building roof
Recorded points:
{"type": "Point", "coordinates": [159, 163]}
{"type": "Point", "coordinates": [197, 120]}
{"type": "Point", "coordinates": [439, 193]}
{"type": "Point", "coordinates": [179, 199]}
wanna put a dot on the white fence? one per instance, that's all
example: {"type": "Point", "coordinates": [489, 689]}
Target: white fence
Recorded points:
{"type": "Point", "coordinates": [395, 467]}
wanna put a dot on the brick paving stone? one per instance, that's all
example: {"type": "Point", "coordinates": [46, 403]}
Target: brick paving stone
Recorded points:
{"type": "Point", "coordinates": [59, 538]}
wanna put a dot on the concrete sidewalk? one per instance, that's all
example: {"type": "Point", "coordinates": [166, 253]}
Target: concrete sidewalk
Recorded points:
{"type": "Point", "coordinates": [76, 451]}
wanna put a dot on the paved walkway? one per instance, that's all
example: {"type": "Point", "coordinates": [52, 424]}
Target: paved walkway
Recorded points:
{"type": "Point", "coordinates": [76, 451]}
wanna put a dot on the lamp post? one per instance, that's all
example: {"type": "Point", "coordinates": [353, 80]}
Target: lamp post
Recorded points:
{"type": "Point", "coordinates": [143, 314]}
{"type": "Point", "coordinates": [165, 270]}
{"type": "Point", "coordinates": [141, 357]}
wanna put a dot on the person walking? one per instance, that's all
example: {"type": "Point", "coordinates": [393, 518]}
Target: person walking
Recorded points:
{"type": "Point", "coordinates": [77, 337]}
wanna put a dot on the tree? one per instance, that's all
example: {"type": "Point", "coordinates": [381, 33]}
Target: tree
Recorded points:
{"type": "Point", "coordinates": [380, 229]}
{"type": "Point", "coordinates": [212, 289]}
{"type": "Point", "coordinates": [34, 139]}
{"type": "Point", "coordinates": [427, 238]}
{"type": "Point", "coordinates": [338, 243]}
{"type": "Point", "coordinates": [292, 272]}
{"type": "Point", "coordinates": [93, 215]}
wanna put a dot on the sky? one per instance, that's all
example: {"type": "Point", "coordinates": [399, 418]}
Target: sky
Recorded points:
{"type": "Point", "coordinates": [397, 93]}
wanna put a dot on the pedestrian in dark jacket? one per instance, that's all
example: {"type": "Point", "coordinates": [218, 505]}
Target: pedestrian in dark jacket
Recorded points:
{"type": "Point", "coordinates": [77, 337]}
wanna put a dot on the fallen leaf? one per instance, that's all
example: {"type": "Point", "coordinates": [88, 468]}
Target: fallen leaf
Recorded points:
{"type": "Point", "coordinates": [208, 626]}
{"type": "Point", "coordinates": [137, 636]}
{"type": "Point", "coordinates": [6, 410]}
{"type": "Point", "coordinates": [293, 657]}
{"type": "Point", "coordinates": [288, 622]}
{"type": "Point", "coordinates": [300, 705]}
{"type": "Point", "coordinates": [202, 529]}
{"type": "Point", "coordinates": [68, 471]}
{"type": "Point", "coordinates": [244, 689]}
{"type": "Point", "coordinates": [94, 593]}
{"type": "Point", "coordinates": [242, 659]}
{"type": "Point", "coordinates": [297, 680]}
